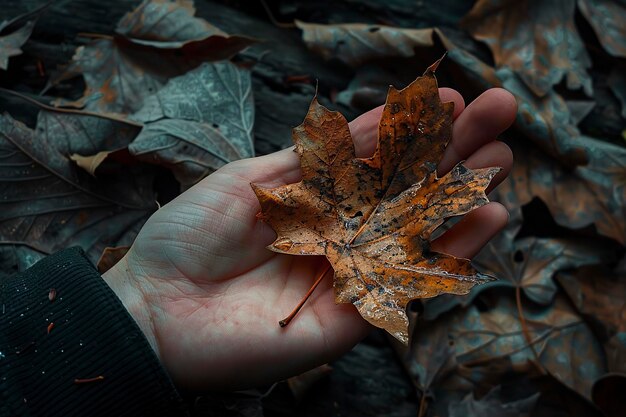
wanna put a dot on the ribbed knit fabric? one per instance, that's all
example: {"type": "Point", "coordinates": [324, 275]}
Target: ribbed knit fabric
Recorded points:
{"type": "Point", "coordinates": [92, 336]}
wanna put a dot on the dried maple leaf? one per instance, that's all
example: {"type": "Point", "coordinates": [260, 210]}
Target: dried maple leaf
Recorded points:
{"type": "Point", "coordinates": [373, 217]}
{"type": "Point", "coordinates": [581, 179]}
{"type": "Point", "coordinates": [598, 294]}
{"type": "Point", "coordinates": [593, 193]}
{"type": "Point", "coordinates": [537, 39]}
{"type": "Point", "coordinates": [356, 43]}
{"type": "Point", "coordinates": [159, 40]}
{"type": "Point", "coordinates": [563, 343]}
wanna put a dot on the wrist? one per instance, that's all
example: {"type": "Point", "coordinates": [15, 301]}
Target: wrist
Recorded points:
{"type": "Point", "coordinates": [131, 291]}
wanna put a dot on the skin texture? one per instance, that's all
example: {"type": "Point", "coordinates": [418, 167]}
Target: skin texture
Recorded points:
{"type": "Point", "coordinates": [208, 295]}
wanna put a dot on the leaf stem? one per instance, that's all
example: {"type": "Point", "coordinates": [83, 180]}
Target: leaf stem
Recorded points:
{"type": "Point", "coordinates": [88, 380]}
{"type": "Point", "coordinates": [291, 315]}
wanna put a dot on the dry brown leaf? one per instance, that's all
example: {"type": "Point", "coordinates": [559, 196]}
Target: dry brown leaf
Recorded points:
{"type": "Point", "coordinates": [373, 217]}
{"type": "Point", "coordinates": [110, 256]}
{"type": "Point", "coordinates": [157, 41]}
{"type": "Point", "coordinates": [90, 162]}
{"type": "Point", "coordinates": [536, 39]}
{"type": "Point", "coordinates": [356, 43]}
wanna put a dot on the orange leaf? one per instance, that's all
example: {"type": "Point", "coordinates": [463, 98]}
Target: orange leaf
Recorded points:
{"type": "Point", "coordinates": [373, 217]}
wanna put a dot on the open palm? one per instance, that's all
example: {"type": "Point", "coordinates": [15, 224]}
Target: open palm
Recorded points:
{"type": "Point", "coordinates": [208, 294]}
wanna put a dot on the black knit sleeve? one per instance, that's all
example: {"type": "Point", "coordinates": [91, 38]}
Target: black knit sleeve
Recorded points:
{"type": "Point", "coordinates": [69, 348]}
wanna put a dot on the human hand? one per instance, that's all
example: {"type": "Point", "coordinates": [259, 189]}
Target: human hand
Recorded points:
{"type": "Point", "coordinates": [208, 295]}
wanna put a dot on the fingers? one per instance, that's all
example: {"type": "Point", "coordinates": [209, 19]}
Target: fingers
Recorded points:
{"type": "Point", "coordinates": [364, 128]}
{"type": "Point", "coordinates": [493, 154]}
{"type": "Point", "coordinates": [473, 140]}
{"type": "Point", "coordinates": [480, 123]}
{"type": "Point", "coordinates": [475, 127]}
{"type": "Point", "coordinates": [466, 238]}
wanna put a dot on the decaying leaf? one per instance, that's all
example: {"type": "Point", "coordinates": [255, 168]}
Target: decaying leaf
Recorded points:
{"type": "Point", "coordinates": [372, 218]}
{"type": "Point", "coordinates": [492, 405]}
{"type": "Point", "coordinates": [564, 344]}
{"type": "Point", "coordinates": [432, 358]}
{"type": "Point", "coordinates": [171, 24]}
{"type": "Point", "coordinates": [198, 122]}
{"type": "Point", "coordinates": [607, 18]}
{"type": "Point", "coordinates": [355, 43]}
{"type": "Point", "coordinates": [594, 193]}
{"type": "Point", "coordinates": [16, 258]}
{"type": "Point", "coordinates": [598, 293]}
{"type": "Point", "coordinates": [50, 203]}
{"type": "Point", "coordinates": [581, 179]}
{"type": "Point", "coordinates": [11, 43]}
{"type": "Point", "coordinates": [536, 39]}
{"type": "Point", "coordinates": [529, 263]}
{"type": "Point", "coordinates": [159, 40]}
{"type": "Point", "coordinates": [15, 32]}
{"type": "Point", "coordinates": [110, 256]}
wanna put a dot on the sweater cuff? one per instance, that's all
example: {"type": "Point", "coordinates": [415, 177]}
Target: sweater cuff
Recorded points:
{"type": "Point", "coordinates": [68, 347]}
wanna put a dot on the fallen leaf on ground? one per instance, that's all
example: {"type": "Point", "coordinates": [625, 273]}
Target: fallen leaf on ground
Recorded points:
{"type": "Point", "coordinates": [564, 344]}
{"type": "Point", "coordinates": [530, 263]}
{"type": "Point", "coordinates": [110, 256]}
{"type": "Point", "coordinates": [15, 32]}
{"type": "Point", "coordinates": [492, 405]}
{"type": "Point", "coordinates": [580, 178]}
{"type": "Point", "coordinates": [16, 258]}
{"type": "Point", "coordinates": [198, 122]}
{"type": "Point", "coordinates": [11, 43]}
{"type": "Point", "coordinates": [431, 358]}
{"type": "Point", "coordinates": [591, 193]}
{"type": "Point", "coordinates": [171, 24]}
{"type": "Point", "coordinates": [161, 39]}
{"type": "Point", "coordinates": [373, 217]}
{"type": "Point", "coordinates": [607, 18]}
{"type": "Point", "coordinates": [598, 294]}
{"type": "Point", "coordinates": [355, 43]}
{"type": "Point", "coordinates": [538, 40]}
{"type": "Point", "coordinates": [50, 203]}
{"type": "Point", "coordinates": [526, 264]}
